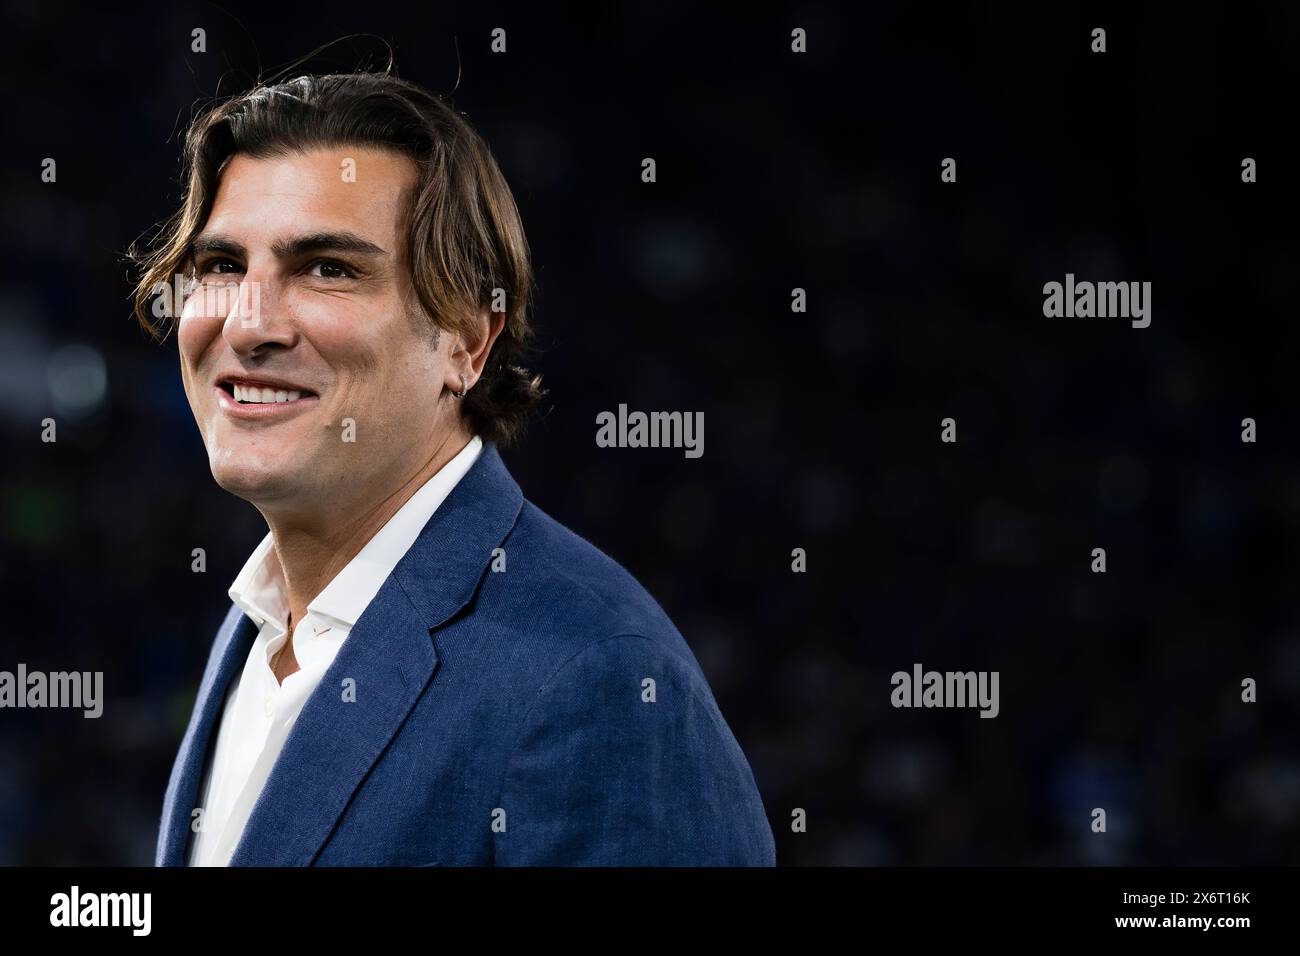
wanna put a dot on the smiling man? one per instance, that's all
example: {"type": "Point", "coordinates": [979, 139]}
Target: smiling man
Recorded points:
{"type": "Point", "coordinates": [419, 667]}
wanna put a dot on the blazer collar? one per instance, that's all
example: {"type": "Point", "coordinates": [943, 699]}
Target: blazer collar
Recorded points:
{"type": "Point", "coordinates": [380, 671]}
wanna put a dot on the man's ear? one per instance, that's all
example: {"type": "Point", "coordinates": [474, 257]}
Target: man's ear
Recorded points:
{"type": "Point", "coordinates": [469, 352]}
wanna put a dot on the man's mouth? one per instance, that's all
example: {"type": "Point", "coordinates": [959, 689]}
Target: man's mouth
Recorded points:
{"type": "Point", "coordinates": [258, 392]}
{"type": "Point", "coordinates": [253, 401]}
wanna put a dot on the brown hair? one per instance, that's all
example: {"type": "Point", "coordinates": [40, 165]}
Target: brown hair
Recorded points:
{"type": "Point", "coordinates": [465, 236]}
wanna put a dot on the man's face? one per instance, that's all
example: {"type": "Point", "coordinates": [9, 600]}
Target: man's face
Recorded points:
{"type": "Point", "coordinates": [317, 302]}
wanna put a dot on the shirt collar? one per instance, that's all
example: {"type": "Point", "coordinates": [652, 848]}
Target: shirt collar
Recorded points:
{"type": "Point", "coordinates": [258, 589]}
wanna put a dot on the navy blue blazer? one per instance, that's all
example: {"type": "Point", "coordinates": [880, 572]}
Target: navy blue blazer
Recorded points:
{"type": "Point", "coordinates": [547, 714]}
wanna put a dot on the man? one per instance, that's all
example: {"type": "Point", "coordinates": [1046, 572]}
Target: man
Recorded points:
{"type": "Point", "coordinates": [420, 667]}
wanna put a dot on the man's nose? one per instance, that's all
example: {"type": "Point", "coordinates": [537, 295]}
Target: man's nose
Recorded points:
{"type": "Point", "coordinates": [252, 317]}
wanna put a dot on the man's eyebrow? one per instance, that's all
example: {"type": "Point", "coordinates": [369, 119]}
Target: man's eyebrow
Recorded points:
{"type": "Point", "coordinates": [292, 248]}
{"type": "Point", "coordinates": [219, 244]}
{"type": "Point", "coordinates": [325, 242]}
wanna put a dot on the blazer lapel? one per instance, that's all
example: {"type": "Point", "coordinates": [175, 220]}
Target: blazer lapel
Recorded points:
{"type": "Point", "coordinates": [229, 652]}
{"type": "Point", "coordinates": [381, 670]}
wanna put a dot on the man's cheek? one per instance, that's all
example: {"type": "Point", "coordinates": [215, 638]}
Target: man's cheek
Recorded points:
{"type": "Point", "coordinates": [187, 346]}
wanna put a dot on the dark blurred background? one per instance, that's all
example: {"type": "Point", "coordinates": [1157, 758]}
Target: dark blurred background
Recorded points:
{"type": "Point", "coordinates": [775, 171]}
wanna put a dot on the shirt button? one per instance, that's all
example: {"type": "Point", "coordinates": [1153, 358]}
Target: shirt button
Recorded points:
{"type": "Point", "coordinates": [268, 706]}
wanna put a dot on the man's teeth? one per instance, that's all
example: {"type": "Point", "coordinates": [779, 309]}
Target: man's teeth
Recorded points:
{"type": "Point", "coordinates": [251, 393]}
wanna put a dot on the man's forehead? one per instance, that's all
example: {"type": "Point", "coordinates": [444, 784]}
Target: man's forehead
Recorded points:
{"type": "Point", "coordinates": [340, 188]}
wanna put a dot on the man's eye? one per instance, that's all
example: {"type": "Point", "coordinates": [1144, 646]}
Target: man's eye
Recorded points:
{"type": "Point", "coordinates": [330, 269]}
{"type": "Point", "coordinates": [213, 266]}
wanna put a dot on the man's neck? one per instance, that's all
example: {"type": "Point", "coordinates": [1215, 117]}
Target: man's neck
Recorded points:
{"type": "Point", "coordinates": [312, 554]}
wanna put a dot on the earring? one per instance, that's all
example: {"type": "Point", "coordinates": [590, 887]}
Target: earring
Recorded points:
{"type": "Point", "coordinates": [463, 389]}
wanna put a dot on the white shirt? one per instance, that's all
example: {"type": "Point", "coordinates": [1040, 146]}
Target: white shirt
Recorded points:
{"type": "Point", "coordinates": [260, 711]}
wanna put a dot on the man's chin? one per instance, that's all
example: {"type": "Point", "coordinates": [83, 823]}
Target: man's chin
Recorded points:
{"type": "Point", "coordinates": [253, 485]}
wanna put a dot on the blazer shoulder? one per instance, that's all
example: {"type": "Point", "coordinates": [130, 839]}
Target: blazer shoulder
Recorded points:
{"type": "Point", "coordinates": [578, 593]}
{"type": "Point", "coordinates": [562, 561]}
